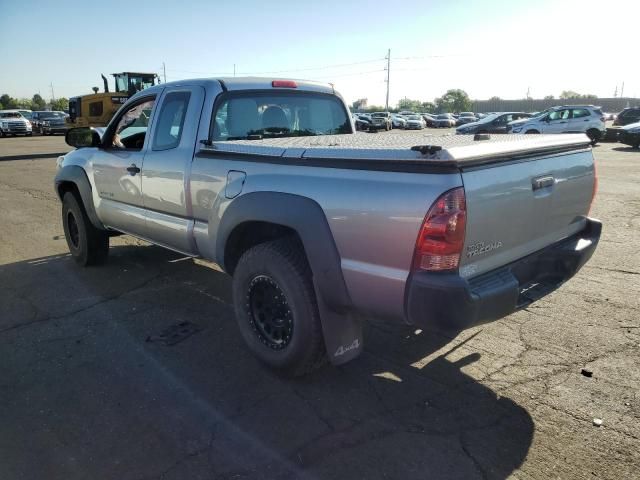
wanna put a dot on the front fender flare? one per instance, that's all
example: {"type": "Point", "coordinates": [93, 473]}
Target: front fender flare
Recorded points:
{"type": "Point", "coordinates": [76, 175]}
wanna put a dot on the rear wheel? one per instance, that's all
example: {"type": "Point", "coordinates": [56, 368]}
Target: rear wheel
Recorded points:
{"type": "Point", "coordinates": [276, 307]}
{"type": "Point", "coordinates": [87, 244]}
{"type": "Point", "coordinates": [531, 132]}
{"type": "Point", "coordinates": [594, 135]}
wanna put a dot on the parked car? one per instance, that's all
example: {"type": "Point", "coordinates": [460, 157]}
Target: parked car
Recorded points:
{"type": "Point", "coordinates": [52, 123]}
{"type": "Point", "coordinates": [630, 135]}
{"type": "Point", "coordinates": [495, 123]}
{"type": "Point", "coordinates": [429, 119]}
{"type": "Point", "coordinates": [381, 121]}
{"type": "Point", "coordinates": [444, 120]}
{"type": "Point", "coordinates": [315, 225]}
{"type": "Point", "coordinates": [398, 121]}
{"type": "Point", "coordinates": [361, 122]}
{"type": "Point", "coordinates": [466, 117]}
{"type": "Point", "coordinates": [567, 119]}
{"type": "Point", "coordinates": [415, 122]}
{"type": "Point", "coordinates": [13, 123]}
{"type": "Point", "coordinates": [53, 117]}
{"type": "Point", "coordinates": [628, 116]}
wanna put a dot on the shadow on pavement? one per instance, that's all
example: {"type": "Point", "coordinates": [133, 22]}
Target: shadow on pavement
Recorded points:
{"type": "Point", "coordinates": [84, 394]}
{"type": "Point", "coordinates": [625, 149]}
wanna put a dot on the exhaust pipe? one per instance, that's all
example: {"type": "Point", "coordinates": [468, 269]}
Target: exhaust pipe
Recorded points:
{"type": "Point", "coordinates": [106, 84]}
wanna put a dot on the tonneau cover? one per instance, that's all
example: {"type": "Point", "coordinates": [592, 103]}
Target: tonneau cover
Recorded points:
{"type": "Point", "coordinates": [423, 148]}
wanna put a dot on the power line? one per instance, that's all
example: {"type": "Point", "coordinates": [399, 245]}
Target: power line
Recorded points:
{"type": "Point", "coordinates": [306, 69]}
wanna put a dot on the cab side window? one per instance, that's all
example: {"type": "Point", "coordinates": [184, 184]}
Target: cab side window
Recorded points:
{"type": "Point", "coordinates": [132, 126]}
{"type": "Point", "coordinates": [559, 115]}
{"type": "Point", "coordinates": [170, 121]}
{"type": "Point", "coordinates": [580, 112]}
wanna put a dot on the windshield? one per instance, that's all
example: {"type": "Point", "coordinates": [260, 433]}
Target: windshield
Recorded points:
{"type": "Point", "coordinates": [490, 118]}
{"type": "Point", "coordinates": [26, 114]}
{"type": "Point", "coordinates": [50, 115]}
{"type": "Point", "coordinates": [10, 115]}
{"type": "Point", "coordinates": [379, 115]}
{"type": "Point", "coordinates": [444, 116]}
{"type": "Point", "coordinates": [413, 117]}
{"type": "Point", "coordinates": [279, 114]}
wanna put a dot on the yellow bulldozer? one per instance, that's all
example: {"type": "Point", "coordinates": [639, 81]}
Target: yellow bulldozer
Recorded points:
{"type": "Point", "coordinates": [96, 109]}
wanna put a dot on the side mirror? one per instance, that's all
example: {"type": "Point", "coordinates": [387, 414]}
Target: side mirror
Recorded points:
{"type": "Point", "coordinates": [81, 137]}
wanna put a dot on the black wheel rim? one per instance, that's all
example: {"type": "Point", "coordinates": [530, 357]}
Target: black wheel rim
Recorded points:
{"type": "Point", "coordinates": [269, 313]}
{"type": "Point", "coordinates": [74, 233]}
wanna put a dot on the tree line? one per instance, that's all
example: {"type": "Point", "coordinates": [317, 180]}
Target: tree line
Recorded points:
{"type": "Point", "coordinates": [454, 101]}
{"type": "Point", "coordinates": [34, 103]}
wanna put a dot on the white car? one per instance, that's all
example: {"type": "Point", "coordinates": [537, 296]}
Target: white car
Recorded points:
{"type": "Point", "coordinates": [567, 119]}
{"type": "Point", "coordinates": [415, 122]}
{"type": "Point", "coordinates": [13, 123]}
{"type": "Point", "coordinates": [398, 121]}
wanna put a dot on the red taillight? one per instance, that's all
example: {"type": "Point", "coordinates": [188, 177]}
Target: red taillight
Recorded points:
{"type": "Point", "coordinates": [441, 236]}
{"type": "Point", "coordinates": [284, 84]}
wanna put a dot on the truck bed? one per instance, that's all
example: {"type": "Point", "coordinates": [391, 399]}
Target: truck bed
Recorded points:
{"type": "Point", "coordinates": [409, 148]}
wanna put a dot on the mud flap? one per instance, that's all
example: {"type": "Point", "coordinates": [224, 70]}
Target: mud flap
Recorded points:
{"type": "Point", "coordinates": [342, 333]}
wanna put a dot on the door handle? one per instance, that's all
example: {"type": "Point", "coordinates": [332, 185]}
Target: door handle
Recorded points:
{"type": "Point", "coordinates": [542, 182]}
{"type": "Point", "coordinates": [133, 169]}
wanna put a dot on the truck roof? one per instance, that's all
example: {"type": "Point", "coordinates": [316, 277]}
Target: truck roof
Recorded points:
{"type": "Point", "coordinates": [408, 147]}
{"type": "Point", "coordinates": [247, 83]}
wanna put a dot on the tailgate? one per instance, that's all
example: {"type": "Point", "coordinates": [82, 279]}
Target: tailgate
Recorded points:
{"type": "Point", "coordinates": [515, 209]}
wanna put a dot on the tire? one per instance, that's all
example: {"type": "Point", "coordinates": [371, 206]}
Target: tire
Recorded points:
{"type": "Point", "coordinates": [531, 132]}
{"type": "Point", "coordinates": [87, 244]}
{"type": "Point", "coordinates": [292, 342]}
{"type": "Point", "coordinates": [594, 135]}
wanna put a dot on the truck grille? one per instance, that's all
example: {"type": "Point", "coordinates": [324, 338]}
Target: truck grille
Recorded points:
{"type": "Point", "coordinates": [17, 126]}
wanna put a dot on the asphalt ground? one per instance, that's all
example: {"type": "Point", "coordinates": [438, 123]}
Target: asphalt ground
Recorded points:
{"type": "Point", "coordinates": [91, 386]}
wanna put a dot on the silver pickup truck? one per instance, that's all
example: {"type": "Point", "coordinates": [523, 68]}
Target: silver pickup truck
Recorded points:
{"type": "Point", "coordinates": [321, 227]}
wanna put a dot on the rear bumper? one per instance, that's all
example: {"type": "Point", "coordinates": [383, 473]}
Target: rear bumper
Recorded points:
{"type": "Point", "coordinates": [451, 302]}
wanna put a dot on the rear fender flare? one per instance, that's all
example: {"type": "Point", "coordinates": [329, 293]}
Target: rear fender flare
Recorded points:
{"type": "Point", "coordinates": [342, 329]}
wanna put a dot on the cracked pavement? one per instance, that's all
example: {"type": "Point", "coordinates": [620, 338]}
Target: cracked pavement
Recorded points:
{"type": "Point", "coordinates": [83, 394]}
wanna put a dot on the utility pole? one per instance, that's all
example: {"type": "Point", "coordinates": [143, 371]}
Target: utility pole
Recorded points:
{"type": "Point", "coordinates": [234, 69]}
{"type": "Point", "coordinates": [53, 97]}
{"type": "Point", "coordinates": [622, 91]}
{"type": "Point", "coordinates": [164, 72]}
{"type": "Point", "coordinates": [388, 72]}
{"type": "Point", "coordinates": [615, 94]}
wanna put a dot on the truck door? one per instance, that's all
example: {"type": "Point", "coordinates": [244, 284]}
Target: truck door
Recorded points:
{"type": "Point", "coordinates": [167, 166]}
{"type": "Point", "coordinates": [117, 168]}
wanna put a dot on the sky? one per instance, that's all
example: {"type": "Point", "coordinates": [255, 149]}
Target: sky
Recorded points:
{"type": "Point", "coordinates": [487, 48]}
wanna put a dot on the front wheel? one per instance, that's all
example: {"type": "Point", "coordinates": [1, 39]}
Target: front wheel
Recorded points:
{"type": "Point", "coordinates": [531, 132]}
{"type": "Point", "coordinates": [87, 244]}
{"type": "Point", "coordinates": [276, 307]}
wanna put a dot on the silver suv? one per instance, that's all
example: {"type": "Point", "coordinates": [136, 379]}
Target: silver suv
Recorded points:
{"type": "Point", "coordinates": [565, 119]}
